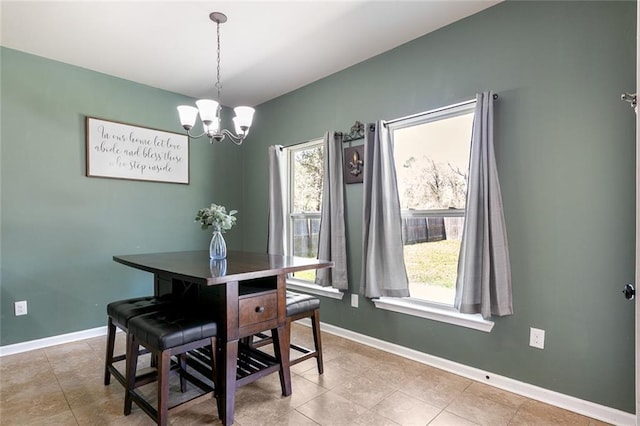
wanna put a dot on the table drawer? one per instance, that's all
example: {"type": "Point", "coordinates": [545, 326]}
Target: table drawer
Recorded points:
{"type": "Point", "coordinates": [259, 308]}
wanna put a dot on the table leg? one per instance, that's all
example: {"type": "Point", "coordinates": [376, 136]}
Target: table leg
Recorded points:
{"type": "Point", "coordinates": [227, 381]}
{"type": "Point", "coordinates": [281, 349]}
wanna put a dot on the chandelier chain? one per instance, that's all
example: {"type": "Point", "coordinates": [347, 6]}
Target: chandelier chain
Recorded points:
{"type": "Point", "coordinates": [218, 84]}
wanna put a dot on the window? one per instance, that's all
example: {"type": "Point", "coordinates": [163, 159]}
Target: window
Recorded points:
{"type": "Point", "coordinates": [305, 173]}
{"type": "Point", "coordinates": [432, 159]}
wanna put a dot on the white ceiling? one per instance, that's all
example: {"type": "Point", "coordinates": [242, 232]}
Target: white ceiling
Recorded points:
{"type": "Point", "coordinates": [268, 48]}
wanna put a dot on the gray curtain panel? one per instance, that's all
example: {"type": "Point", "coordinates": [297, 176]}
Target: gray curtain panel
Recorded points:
{"type": "Point", "coordinates": [332, 241]}
{"type": "Point", "coordinates": [383, 271]}
{"type": "Point", "coordinates": [277, 229]}
{"type": "Point", "coordinates": [484, 272]}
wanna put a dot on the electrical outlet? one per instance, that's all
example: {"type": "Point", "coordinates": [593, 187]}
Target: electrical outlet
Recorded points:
{"type": "Point", "coordinates": [20, 308]}
{"type": "Point", "coordinates": [354, 300]}
{"type": "Point", "coordinates": [536, 338]}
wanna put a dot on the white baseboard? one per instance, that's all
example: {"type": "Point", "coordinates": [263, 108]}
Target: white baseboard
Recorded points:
{"type": "Point", "coordinates": [580, 406]}
{"type": "Point", "coordinates": [52, 341]}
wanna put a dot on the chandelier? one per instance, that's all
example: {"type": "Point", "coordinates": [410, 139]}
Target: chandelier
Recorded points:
{"type": "Point", "coordinates": [210, 111]}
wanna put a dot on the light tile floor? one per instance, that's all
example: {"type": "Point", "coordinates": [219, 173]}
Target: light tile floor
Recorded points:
{"type": "Point", "coordinates": [62, 385]}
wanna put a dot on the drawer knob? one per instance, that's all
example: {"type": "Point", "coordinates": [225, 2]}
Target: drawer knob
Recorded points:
{"type": "Point", "coordinates": [259, 309]}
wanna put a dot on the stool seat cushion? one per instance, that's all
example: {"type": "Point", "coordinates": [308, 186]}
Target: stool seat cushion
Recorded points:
{"type": "Point", "coordinates": [298, 303]}
{"type": "Point", "coordinates": [168, 329]}
{"type": "Point", "coordinates": [122, 311]}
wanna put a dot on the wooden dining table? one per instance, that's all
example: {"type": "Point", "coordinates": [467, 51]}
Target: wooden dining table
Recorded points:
{"type": "Point", "coordinates": [247, 294]}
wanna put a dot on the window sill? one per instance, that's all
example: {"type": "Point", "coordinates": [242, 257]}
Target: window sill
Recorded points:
{"type": "Point", "coordinates": [434, 312]}
{"type": "Point", "coordinates": [307, 287]}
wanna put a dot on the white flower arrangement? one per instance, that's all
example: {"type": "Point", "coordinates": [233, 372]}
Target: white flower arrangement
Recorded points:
{"type": "Point", "coordinates": [217, 217]}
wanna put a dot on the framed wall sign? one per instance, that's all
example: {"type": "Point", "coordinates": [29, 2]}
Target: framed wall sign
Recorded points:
{"type": "Point", "coordinates": [123, 151]}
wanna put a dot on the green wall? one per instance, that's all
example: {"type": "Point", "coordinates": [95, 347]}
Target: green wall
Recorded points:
{"type": "Point", "coordinates": [59, 228]}
{"type": "Point", "coordinates": [565, 145]}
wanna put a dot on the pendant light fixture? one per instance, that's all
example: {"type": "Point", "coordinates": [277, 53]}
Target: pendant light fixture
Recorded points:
{"type": "Point", "coordinates": [210, 111]}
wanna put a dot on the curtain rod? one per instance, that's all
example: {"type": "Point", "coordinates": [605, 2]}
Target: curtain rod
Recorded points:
{"type": "Point", "coordinates": [299, 143]}
{"type": "Point", "coordinates": [470, 101]}
{"type": "Point", "coordinates": [357, 130]}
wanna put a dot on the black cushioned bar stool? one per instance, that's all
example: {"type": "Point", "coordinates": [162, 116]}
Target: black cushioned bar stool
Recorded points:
{"type": "Point", "coordinates": [119, 313]}
{"type": "Point", "coordinates": [165, 334]}
{"type": "Point", "coordinates": [300, 306]}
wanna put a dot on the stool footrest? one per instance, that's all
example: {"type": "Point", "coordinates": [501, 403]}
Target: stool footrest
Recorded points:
{"type": "Point", "coordinates": [141, 378]}
{"type": "Point", "coordinates": [306, 354]}
{"type": "Point", "coordinates": [153, 413]}
{"type": "Point", "coordinates": [123, 357]}
{"type": "Point", "coordinates": [265, 339]}
{"type": "Point", "coordinates": [117, 374]}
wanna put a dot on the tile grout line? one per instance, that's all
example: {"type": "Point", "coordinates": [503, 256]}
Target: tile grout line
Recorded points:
{"type": "Point", "coordinates": [64, 394]}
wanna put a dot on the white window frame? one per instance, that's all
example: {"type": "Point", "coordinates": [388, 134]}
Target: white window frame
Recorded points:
{"type": "Point", "coordinates": [420, 307]}
{"type": "Point", "coordinates": [295, 283]}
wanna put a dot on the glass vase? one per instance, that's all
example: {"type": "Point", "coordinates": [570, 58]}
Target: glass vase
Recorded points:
{"type": "Point", "coordinates": [218, 246]}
